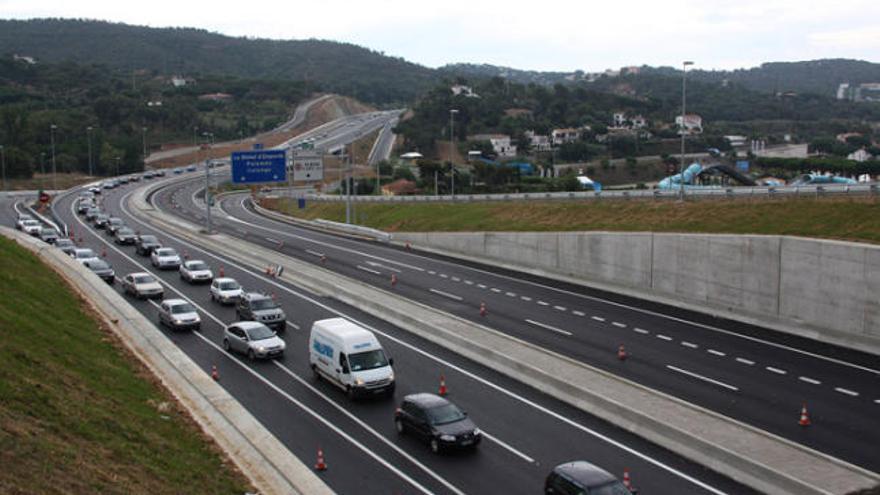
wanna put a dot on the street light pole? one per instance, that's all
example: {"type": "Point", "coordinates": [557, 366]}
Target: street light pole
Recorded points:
{"type": "Point", "coordinates": [3, 163]}
{"type": "Point", "coordinates": [42, 170]}
{"type": "Point", "coordinates": [117, 165]}
{"type": "Point", "coordinates": [683, 127]}
{"type": "Point", "coordinates": [144, 131]}
{"type": "Point", "coordinates": [452, 113]}
{"type": "Point", "coordinates": [89, 134]}
{"type": "Point", "coordinates": [208, 184]}
{"type": "Point", "coordinates": [54, 170]}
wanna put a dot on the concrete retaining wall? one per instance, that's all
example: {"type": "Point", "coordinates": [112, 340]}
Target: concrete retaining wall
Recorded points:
{"type": "Point", "coordinates": [820, 289]}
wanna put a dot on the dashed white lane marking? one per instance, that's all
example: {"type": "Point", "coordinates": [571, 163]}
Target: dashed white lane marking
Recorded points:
{"type": "Point", "coordinates": [689, 344]}
{"type": "Point", "coordinates": [598, 318]}
{"type": "Point", "coordinates": [663, 337]}
{"type": "Point", "coordinates": [293, 325]}
{"type": "Point", "coordinates": [270, 239]}
{"type": "Point", "coordinates": [542, 303]}
{"type": "Point", "coordinates": [560, 308]}
{"type": "Point", "coordinates": [508, 447]}
{"type": "Point", "coordinates": [848, 392]}
{"type": "Point", "coordinates": [432, 272]}
{"type": "Point", "coordinates": [495, 290]}
{"type": "Point", "coordinates": [717, 353]}
{"type": "Point", "coordinates": [745, 361]}
{"type": "Point", "coordinates": [380, 265]}
{"type": "Point", "coordinates": [809, 380]}
{"type": "Point", "coordinates": [876, 401]}
{"type": "Point", "coordinates": [368, 270]}
{"type": "Point", "coordinates": [641, 331]}
{"type": "Point", "coordinates": [446, 294]}
{"type": "Point", "coordinates": [443, 275]}
{"type": "Point", "coordinates": [778, 371]}
{"type": "Point", "coordinates": [548, 327]}
{"type": "Point", "coordinates": [704, 378]}
{"type": "Point", "coordinates": [456, 279]}
{"type": "Point", "coordinates": [525, 298]}
{"type": "Point", "coordinates": [314, 253]}
{"type": "Point", "coordinates": [469, 282]}
{"type": "Point", "coordinates": [482, 286]}
{"type": "Point", "coordinates": [510, 294]}
{"type": "Point", "coordinates": [618, 324]}
{"type": "Point", "coordinates": [578, 313]}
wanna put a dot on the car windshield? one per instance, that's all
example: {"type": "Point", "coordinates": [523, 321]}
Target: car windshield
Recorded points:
{"type": "Point", "coordinates": [613, 488]}
{"type": "Point", "coordinates": [125, 231]}
{"type": "Point", "coordinates": [367, 360]}
{"type": "Point", "coordinates": [232, 285]}
{"type": "Point", "coordinates": [447, 413]}
{"type": "Point", "coordinates": [263, 304]}
{"type": "Point", "coordinates": [116, 221]}
{"type": "Point", "coordinates": [144, 279]}
{"type": "Point", "coordinates": [99, 265]}
{"type": "Point", "coordinates": [85, 253]}
{"type": "Point", "coordinates": [166, 252]}
{"type": "Point", "coordinates": [47, 232]}
{"type": "Point", "coordinates": [149, 238]}
{"type": "Point", "coordinates": [183, 308]}
{"type": "Point", "coordinates": [64, 243]}
{"type": "Point", "coordinates": [261, 332]}
{"type": "Point", "coordinates": [198, 266]}
{"type": "Point", "coordinates": [30, 222]}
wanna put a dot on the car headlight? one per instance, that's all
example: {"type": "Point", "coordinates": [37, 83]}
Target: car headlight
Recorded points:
{"type": "Point", "coordinates": [358, 381]}
{"type": "Point", "coordinates": [391, 376]}
{"type": "Point", "coordinates": [283, 345]}
{"type": "Point", "coordinates": [447, 438]}
{"type": "Point", "coordinates": [178, 321]}
{"type": "Point", "coordinates": [261, 349]}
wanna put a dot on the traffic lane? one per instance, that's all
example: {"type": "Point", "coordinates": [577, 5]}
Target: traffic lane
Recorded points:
{"type": "Point", "coordinates": [385, 415]}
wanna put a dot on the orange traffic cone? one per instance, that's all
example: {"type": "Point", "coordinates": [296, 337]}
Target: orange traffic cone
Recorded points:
{"type": "Point", "coordinates": [221, 271]}
{"type": "Point", "coordinates": [214, 374]}
{"type": "Point", "coordinates": [103, 252]}
{"type": "Point", "coordinates": [320, 465]}
{"type": "Point", "coordinates": [280, 245]}
{"type": "Point", "coordinates": [443, 390]}
{"type": "Point", "coordinates": [72, 236]}
{"type": "Point", "coordinates": [626, 481]}
{"type": "Point", "coordinates": [269, 270]}
{"type": "Point", "coordinates": [805, 416]}
{"type": "Point", "coordinates": [483, 310]}
{"type": "Point", "coordinates": [186, 255]}
{"type": "Point", "coordinates": [621, 353]}
{"type": "Point", "coordinates": [393, 280]}
{"type": "Point", "coordinates": [408, 246]}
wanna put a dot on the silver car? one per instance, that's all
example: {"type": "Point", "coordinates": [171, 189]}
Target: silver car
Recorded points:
{"type": "Point", "coordinates": [142, 285]}
{"type": "Point", "coordinates": [165, 258]}
{"type": "Point", "coordinates": [83, 254]}
{"type": "Point", "coordinates": [253, 339]}
{"type": "Point", "coordinates": [31, 227]}
{"type": "Point", "coordinates": [178, 314]}
{"type": "Point", "coordinates": [196, 271]}
{"type": "Point", "coordinates": [225, 290]}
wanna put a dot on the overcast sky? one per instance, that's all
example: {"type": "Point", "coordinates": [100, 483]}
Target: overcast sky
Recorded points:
{"type": "Point", "coordinates": [562, 35]}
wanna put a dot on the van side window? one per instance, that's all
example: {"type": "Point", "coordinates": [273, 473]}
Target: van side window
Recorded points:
{"type": "Point", "coordinates": [343, 362]}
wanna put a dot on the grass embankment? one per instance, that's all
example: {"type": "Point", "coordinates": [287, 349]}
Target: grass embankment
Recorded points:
{"type": "Point", "coordinates": [78, 414]}
{"type": "Point", "coordinates": [855, 219]}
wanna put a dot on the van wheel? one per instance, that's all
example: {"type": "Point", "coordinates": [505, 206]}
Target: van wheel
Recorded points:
{"type": "Point", "coordinates": [315, 373]}
{"type": "Point", "coordinates": [398, 425]}
{"type": "Point", "coordinates": [435, 446]}
{"type": "Point", "coordinates": [226, 345]}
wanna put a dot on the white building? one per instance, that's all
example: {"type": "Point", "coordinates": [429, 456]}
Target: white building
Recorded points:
{"type": "Point", "coordinates": [619, 119]}
{"type": "Point", "coordinates": [859, 155]}
{"type": "Point", "coordinates": [693, 123]}
{"type": "Point", "coordinates": [500, 144]}
{"type": "Point", "coordinates": [178, 81]}
{"type": "Point", "coordinates": [567, 135]}
{"type": "Point", "coordinates": [538, 142]}
{"type": "Point", "coordinates": [460, 89]}
{"type": "Point", "coordinates": [639, 122]}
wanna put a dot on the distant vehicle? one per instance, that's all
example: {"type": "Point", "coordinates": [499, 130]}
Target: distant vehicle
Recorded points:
{"type": "Point", "coordinates": [124, 236]}
{"type": "Point", "coordinates": [145, 244]}
{"type": "Point", "coordinates": [19, 223]}
{"type": "Point", "coordinates": [31, 227]}
{"type": "Point", "coordinates": [350, 357]}
{"type": "Point", "coordinates": [225, 290]}
{"type": "Point", "coordinates": [122, 180]}
{"type": "Point", "coordinates": [191, 168]}
{"type": "Point", "coordinates": [178, 314]}
{"type": "Point", "coordinates": [142, 285]}
{"type": "Point", "coordinates": [196, 271]}
{"type": "Point", "coordinates": [148, 174]}
{"type": "Point", "coordinates": [100, 221]}
{"type": "Point", "coordinates": [95, 190]}
{"type": "Point", "coordinates": [66, 246]}
{"type": "Point", "coordinates": [583, 478]}
{"type": "Point", "coordinates": [713, 152]}
{"type": "Point", "coordinates": [91, 213]}
{"type": "Point", "coordinates": [260, 307]}
{"type": "Point", "coordinates": [48, 235]}
{"type": "Point", "coordinates": [440, 422]}
{"type": "Point", "coordinates": [178, 171]}
{"type": "Point", "coordinates": [165, 258]}
{"type": "Point", "coordinates": [253, 339]}
{"type": "Point", "coordinates": [83, 206]}
{"type": "Point", "coordinates": [114, 224]}
{"type": "Point", "coordinates": [160, 172]}
{"type": "Point", "coordinates": [102, 269]}
{"type": "Point", "coordinates": [134, 178]}
{"type": "Point", "coordinates": [84, 254]}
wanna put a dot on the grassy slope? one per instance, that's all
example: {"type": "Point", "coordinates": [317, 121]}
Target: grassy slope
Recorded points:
{"type": "Point", "coordinates": [834, 218]}
{"type": "Point", "coordinates": [77, 415]}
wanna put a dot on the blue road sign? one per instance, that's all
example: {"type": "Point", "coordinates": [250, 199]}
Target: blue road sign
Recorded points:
{"type": "Point", "coordinates": [250, 167]}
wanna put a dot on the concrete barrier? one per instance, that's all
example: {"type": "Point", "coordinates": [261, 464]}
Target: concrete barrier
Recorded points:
{"type": "Point", "coordinates": [269, 465]}
{"type": "Point", "coordinates": [749, 455]}
{"type": "Point", "coordinates": [819, 289]}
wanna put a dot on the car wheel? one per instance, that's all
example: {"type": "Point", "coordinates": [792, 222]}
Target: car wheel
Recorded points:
{"type": "Point", "coordinates": [226, 345]}
{"type": "Point", "coordinates": [350, 392]}
{"type": "Point", "coordinates": [251, 355]}
{"type": "Point", "coordinates": [213, 299]}
{"type": "Point", "coordinates": [398, 425]}
{"type": "Point", "coordinates": [435, 446]}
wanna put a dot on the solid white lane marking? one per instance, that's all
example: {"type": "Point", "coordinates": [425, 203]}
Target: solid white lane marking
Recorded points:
{"type": "Point", "coordinates": [495, 290]}
{"type": "Point", "coordinates": [689, 344]}
{"type": "Point", "coordinates": [481, 286]}
{"type": "Point", "coordinates": [701, 377]}
{"type": "Point", "coordinates": [745, 361]}
{"type": "Point", "coordinates": [663, 337]}
{"type": "Point", "coordinates": [446, 294]}
{"type": "Point", "coordinates": [380, 265]}
{"type": "Point", "coordinates": [598, 318]}
{"type": "Point", "coordinates": [560, 308]}
{"type": "Point", "coordinates": [618, 324]}
{"type": "Point", "coordinates": [525, 298]}
{"type": "Point", "coordinates": [717, 353]}
{"type": "Point", "coordinates": [775, 370]}
{"type": "Point", "coordinates": [548, 327]}
{"type": "Point", "coordinates": [809, 380]}
{"type": "Point", "coordinates": [314, 253]}
{"type": "Point", "coordinates": [851, 393]}
{"type": "Point", "coordinates": [542, 303]}
{"type": "Point", "coordinates": [508, 447]}
{"type": "Point", "coordinates": [510, 294]}
{"type": "Point", "coordinates": [578, 313]}
{"type": "Point", "coordinates": [368, 270]}
{"type": "Point", "coordinates": [641, 331]}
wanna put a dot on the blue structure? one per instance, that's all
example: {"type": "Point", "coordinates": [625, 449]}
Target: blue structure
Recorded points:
{"type": "Point", "coordinates": [524, 168]}
{"type": "Point", "coordinates": [674, 181]}
{"type": "Point", "coordinates": [821, 179]}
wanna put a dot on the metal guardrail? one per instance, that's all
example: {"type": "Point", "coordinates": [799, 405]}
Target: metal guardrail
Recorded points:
{"type": "Point", "coordinates": [708, 193]}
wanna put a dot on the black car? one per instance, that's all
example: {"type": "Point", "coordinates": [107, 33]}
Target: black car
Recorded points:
{"type": "Point", "coordinates": [124, 235]}
{"type": "Point", "coordinates": [436, 420]}
{"type": "Point", "coordinates": [145, 244]}
{"type": "Point", "coordinates": [101, 220]}
{"type": "Point", "coordinates": [65, 245]}
{"type": "Point", "coordinates": [114, 224]}
{"type": "Point", "coordinates": [580, 477]}
{"type": "Point", "coordinates": [102, 269]}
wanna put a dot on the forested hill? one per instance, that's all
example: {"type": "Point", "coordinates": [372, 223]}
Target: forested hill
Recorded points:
{"type": "Point", "coordinates": [336, 67]}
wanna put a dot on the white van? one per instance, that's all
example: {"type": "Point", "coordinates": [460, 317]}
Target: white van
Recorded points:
{"type": "Point", "coordinates": [350, 357]}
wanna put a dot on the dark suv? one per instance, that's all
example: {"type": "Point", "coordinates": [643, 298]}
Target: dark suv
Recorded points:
{"type": "Point", "coordinates": [580, 477]}
{"type": "Point", "coordinates": [145, 244]}
{"type": "Point", "coordinates": [441, 423]}
{"type": "Point", "coordinates": [261, 308]}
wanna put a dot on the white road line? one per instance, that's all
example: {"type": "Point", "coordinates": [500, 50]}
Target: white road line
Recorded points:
{"type": "Point", "coordinates": [618, 324]}
{"type": "Point", "coordinates": [446, 294]}
{"type": "Point", "coordinates": [846, 391]}
{"type": "Point", "coordinates": [578, 313]}
{"type": "Point", "coordinates": [469, 282]}
{"type": "Point", "coordinates": [701, 377]}
{"type": "Point", "coordinates": [443, 275]}
{"type": "Point", "coordinates": [745, 361]}
{"type": "Point", "coordinates": [598, 318]}
{"type": "Point", "coordinates": [495, 290]}
{"type": "Point", "coordinates": [525, 298]}
{"type": "Point", "coordinates": [876, 401]}
{"type": "Point", "coordinates": [542, 303]}
{"type": "Point", "coordinates": [369, 270]}
{"type": "Point", "coordinates": [456, 279]}
{"type": "Point", "coordinates": [380, 265]}
{"type": "Point", "coordinates": [775, 370]}
{"type": "Point", "coordinates": [641, 331]}
{"type": "Point", "coordinates": [809, 380]}
{"type": "Point", "coordinates": [481, 286]}
{"type": "Point", "coordinates": [275, 241]}
{"type": "Point", "coordinates": [508, 447]}
{"type": "Point", "coordinates": [717, 353]}
{"type": "Point", "coordinates": [560, 308]}
{"type": "Point", "coordinates": [689, 344]}
{"type": "Point", "coordinates": [292, 325]}
{"type": "Point", "coordinates": [664, 337]}
{"type": "Point", "coordinates": [432, 272]}
{"type": "Point", "coordinates": [314, 253]}
{"type": "Point", "coordinates": [510, 294]}
{"type": "Point", "coordinates": [548, 327]}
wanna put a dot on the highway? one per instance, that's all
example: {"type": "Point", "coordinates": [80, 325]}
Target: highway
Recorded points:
{"type": "Point", "coordinates": [751, 374]}
{"type": "Point", "coordinates": [527, 432]}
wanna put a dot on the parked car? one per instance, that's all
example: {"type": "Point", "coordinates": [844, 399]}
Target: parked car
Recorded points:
{"type": "Point", "coordinates": [31, 227]}
{"type": "Point", "coordinates": [142, 285]}
{"type": "Point", "coordinates": [102, 269]}
{"type": "Point", "coordinates": [124, 235]}
{"type": "Point", "coordinates": [262, 308]}
{"type": "Point", "coordinates": [253, 339]}
{"type": "Point", "coordinates": [179, 314]}
{"type": "Point", "coordinates": [84, 254]}
{"type": "Point", "coordinates": [66, 246]}
{"type": "Point", "coordinates": [581, 477]}
{"type": "Point", "coordinates": [113, 224]}
{"type": "Point", "coordinates": [48, 235]}
{"type": "Point", "coordinates": [225, 290]}
{"type": "Point", "coordinates": [100, 220]}
{"type": "Point", "coordinates": [165, 258]}
{"type": "Point", "coordinates": [145, 244]}
{"type": "Point", "coordinates": [436, 420]}
{"type": "Point", "coordinates": [196, 271]}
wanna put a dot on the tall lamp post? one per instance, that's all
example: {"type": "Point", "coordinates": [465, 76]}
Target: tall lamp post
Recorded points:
{"type": "Point", "coordinates": [452, 113]}
{"type": "Point", "coordinates": [89, 134]}
{"type": "Point", "coordinates": [208, 136]}
{"type": "Point", "coordinates": [117, 165]}
{"type": "Point", "coordinates": [683, 129]}
{"type": "Point", "coordinates": [42, 170]}
{"type": "Point", "coordinates": [54, 170]}
{"type": "Point", "coordinates": [3, 163]}
{"type": "Point", "coordinates": [144, 134]}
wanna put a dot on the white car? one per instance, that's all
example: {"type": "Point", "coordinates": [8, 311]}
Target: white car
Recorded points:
{"type": "Point", "coordinates": [19, 224]}
{"type": "Point", "coordinates": [142, 285]}
{"type": "Point", "coordinates": [165, 258]}
{"type": "Point", "coordinates": [83, 254]}
{"type": "Point", "coordinates": [178, 314]}
{"type": "Point", "coordinates": [31, 227]}
{"type": "Point", "coordinates": [225, 290]}
{"type": "Point", "coordinates": [196, 271]}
